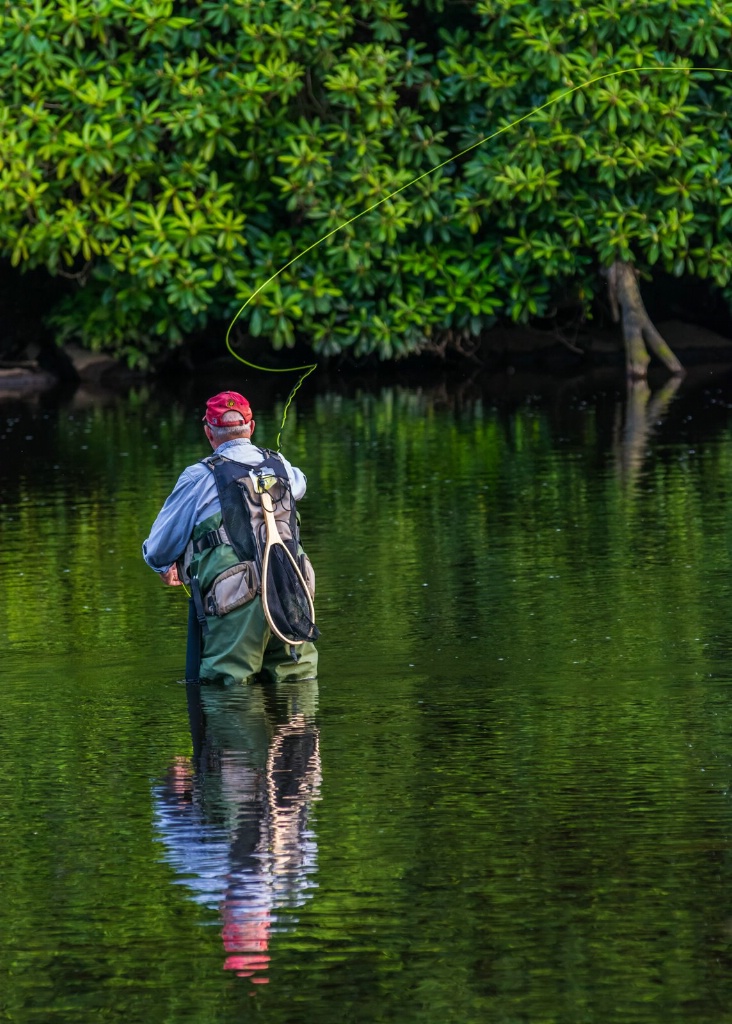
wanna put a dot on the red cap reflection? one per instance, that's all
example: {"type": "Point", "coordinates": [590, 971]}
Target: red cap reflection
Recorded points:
{"type": "Point", "coordinates": [246, 939]}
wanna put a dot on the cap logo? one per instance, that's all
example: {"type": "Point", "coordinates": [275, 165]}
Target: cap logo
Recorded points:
{"type": "Point", "coordinates": [231, 403]}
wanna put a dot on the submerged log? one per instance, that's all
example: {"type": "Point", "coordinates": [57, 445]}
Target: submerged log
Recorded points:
{"type": "Point", "coordinates": [23, 379]}
{"type": "Point", "coordinates": [639, 330]}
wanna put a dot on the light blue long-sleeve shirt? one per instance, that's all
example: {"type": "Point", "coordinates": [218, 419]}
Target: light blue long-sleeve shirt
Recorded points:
{"type": "Point", "coordinates": [195, 498]}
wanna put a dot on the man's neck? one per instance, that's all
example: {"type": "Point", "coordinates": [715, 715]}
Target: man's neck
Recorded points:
{"type": "Point", "coordinates": [234, 440]}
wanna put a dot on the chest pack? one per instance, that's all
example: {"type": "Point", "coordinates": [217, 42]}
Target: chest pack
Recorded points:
{"type": "Point", "coordinates": [259, 521]}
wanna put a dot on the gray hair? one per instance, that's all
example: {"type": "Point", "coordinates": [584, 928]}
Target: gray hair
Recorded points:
{"type": "Point", "coordinates": [231, 428]}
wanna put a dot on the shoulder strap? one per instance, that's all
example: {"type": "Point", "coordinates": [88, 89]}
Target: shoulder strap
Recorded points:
{"type": "Point", "coordinates": [234, 510]}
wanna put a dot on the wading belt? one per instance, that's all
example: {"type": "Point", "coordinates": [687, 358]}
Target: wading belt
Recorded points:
{"type": "Point", "coordinates": [212, 539]}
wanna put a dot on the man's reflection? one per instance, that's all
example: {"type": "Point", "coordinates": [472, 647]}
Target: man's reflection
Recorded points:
{"type": "Point", "coordinates": [235, 817]}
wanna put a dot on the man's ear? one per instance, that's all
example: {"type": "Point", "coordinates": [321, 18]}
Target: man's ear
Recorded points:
{"type": "Point", "coordinates": [252, 425]}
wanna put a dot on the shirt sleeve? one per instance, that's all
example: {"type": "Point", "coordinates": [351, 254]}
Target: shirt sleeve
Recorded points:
{"type": "Point", "coordinates": [298, 480]}
{"type": "Point", "coordinates": [173, 527]}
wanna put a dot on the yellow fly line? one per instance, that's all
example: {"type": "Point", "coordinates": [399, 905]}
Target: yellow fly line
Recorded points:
{"type": "Point", "coordinates": [311, 367]}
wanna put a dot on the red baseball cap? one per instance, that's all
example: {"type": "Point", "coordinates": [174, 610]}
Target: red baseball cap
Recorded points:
{"type": "Point", "coordinates": [226, 401]}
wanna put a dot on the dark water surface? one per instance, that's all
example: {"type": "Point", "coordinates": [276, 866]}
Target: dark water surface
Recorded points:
{"type": "Point", "coordinates": [507, 799]}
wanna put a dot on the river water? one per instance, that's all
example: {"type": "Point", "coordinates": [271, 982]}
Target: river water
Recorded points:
{"type": "Point", "coordinates": [507, 797]}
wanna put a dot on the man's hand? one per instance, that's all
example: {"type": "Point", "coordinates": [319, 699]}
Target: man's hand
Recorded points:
{"type": "Point", "coordinates": [171, 577]}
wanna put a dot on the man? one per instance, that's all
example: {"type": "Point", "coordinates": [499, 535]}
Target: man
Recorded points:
{"type": "Point", "coordinates": [220, 551]}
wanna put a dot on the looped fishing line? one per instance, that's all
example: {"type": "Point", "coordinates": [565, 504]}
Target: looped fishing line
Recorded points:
{"type": "Point", "coordinates": [311, 367]}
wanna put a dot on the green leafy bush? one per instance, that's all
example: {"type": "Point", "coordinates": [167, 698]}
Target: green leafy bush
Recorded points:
{"type": "Point", "coordinates": [171, 157]}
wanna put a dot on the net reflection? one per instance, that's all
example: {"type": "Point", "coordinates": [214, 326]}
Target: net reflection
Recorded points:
{"type": "Point", "coordinates": [235, 818]}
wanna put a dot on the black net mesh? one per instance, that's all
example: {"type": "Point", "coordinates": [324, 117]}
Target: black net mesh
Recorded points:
{"type": "Point", "coordinates": [287, 599]}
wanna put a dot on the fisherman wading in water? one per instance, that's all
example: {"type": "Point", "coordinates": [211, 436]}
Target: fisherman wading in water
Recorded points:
{"type": "Point", "coordinates": [218, 532]}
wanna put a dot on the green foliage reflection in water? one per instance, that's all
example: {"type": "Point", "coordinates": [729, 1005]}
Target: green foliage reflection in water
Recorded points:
{"type": "Point", "coordinates": [478, 501]}
{"type": "Point", "coordinates": [521, 818]}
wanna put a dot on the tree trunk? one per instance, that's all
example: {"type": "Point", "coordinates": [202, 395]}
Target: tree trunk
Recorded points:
{"type": "Point", "coordinates": [627, 307]}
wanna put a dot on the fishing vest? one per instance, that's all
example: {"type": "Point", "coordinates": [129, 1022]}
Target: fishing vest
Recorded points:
{"type": "Point", "coordinates": [225, 552]}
